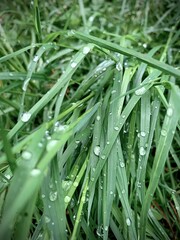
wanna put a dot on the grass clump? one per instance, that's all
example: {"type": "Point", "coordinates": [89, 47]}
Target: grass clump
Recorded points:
{"type": "Point", "coordinates": [89, 109]}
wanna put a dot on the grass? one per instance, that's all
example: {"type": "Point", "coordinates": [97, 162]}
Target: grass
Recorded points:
{"type": "Point", "coordinates": [89, 120]}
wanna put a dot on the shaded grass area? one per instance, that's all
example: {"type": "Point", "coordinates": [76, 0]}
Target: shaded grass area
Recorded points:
{"type": "Point", "coordinates": [89, 120]}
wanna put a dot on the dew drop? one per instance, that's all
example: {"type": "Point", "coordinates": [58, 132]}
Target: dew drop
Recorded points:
{"type": "Point", "coordinates": [26, 155]}
{"type": "Point", "coordinates": [113, 91]}
{"type": "Point", "coordinates": [123, 191]}
{"type": "Point", "coordinates": [53, 196]}
{"type": "Point", "coordinates": [43, 195]}
{"type": "Point", "coordinates": [47, 219]}
{"type": "Point", "coordinates": [77, 141]}
{"type": "Point", "coordinates": [51, 144]}
{"type": "Point", "coordinates": [10, 74]}
{"type": "Point", "coordinates": [163, 132]}
{"type": "Point", "coordinates": [73, 64]}
{"type": "Point", "coordinates": [26, 116]}
{"type": "Point", "coordinates": [86, 50]}
{"type": "Point", "coordinates": [139, 185]}
{"type": "Point", "coordinates": [108, 142]}
{"type": "Point", "coordinates": [111, 192]}
{"type": "Point", "coordinates": [40, 144]}
{"type": "Point", "coordinates": [128, 222]}
{"type": "Point", "coordinates": [75, 184]}
{"type": "Point", "coordinates": [98, 118]}
{"type": "Point", "coordinates": [119, 66]}
{"type": "Point", "coordinates": [122, 164]}
{"type": "Point", "coordinates": [143, 134]}
{"type": "Point", "coordinates": [103, 157]}
{"type": "Point", "coordinates": [116, 128]}
{"type": "Point", "coordinates": [142, 151]}
{"type": "Point", "coordinates": [169, 112]}
{"type": "Point", "coordinates": [140, 91]}
{"type": "Point", "coordinates": [106, 228]}
{"type": "Point", "coordinates": [35, 59]}
{"type": "Point", "coordinates": [67, 199]}
{"type": "Point", "coordinates": [35, 172]}
{"type": "Point", "coordinates": [97, 150]}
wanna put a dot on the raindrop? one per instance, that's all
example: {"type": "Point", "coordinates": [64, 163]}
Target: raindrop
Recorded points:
{"type": "Point", "coordinates": [142, 151]}
{"type": "Point", "coordinates": [73, 64]}
{"type": "Point", "coordinates": [61, 128]}
{"type": "Point", "coordinates": [47, 219]}
{"type": "Point", "coordinates": [111, 192]}
{"type": "Point", "coordinates": [106, 228]}
{"type": "Point", "coordinates": [43, 196]}
{"type": "Point", "coordinates": [108, 142]}
{"type": "Point", "coordinates": [122, 164]}
{"type": "Point", "coordinates": [53, 196]}
{"type": "Point", "coordinates": [51, 144]}
{"type": "Point", "coordinates": [35, 172]}
{"type": "Point", "coordinates": [169, 112]}
{"type": "Point", "coordinates": [119, 66]}
{"type": "Point", "coordinates": [123, 116]}
{"type": "Point", "coordinates": [77, 141]}
{"type": "Point", "coordinates": [67, 199]}
{"type": "Point", "coordinates": [26, 116]}
{"type": "Point", "coordinates": [98, 118]}
{"type": "Point", "coordinates": [40, 145]}
{"type": "Point", "coordinates": [97, 150]}
{"type": "Point", "coordinates": [116, 128]}
{"type": "Point", "coordinates": [113, 91]}
{"type": "Point", "coordinates": [139, 185]}
{"type": "Point", "coordinates": [10, 74]}
{"type": "Point", "coordinates": [103, 157]}
{"type": "Point", "coordinates": [140, 91]}
{"type": "Point", "coordinates": [83, 199]}
{"type": "Point", "coordinates": [143, 134]}
{"type": "Point", "coordinates": [75, 184]}
{"type": "Point", "coordinates": [35, 59]}
{"type": "Point", "coordinates": [86, 50]}
{"type": "Point", "coordinates": [128, 222]}
{"type": "Point", "coordinates": [49, 206]}
{"type": "Point", "coordinates": [26, 155]}
{"type": "Point", "coordinates": [52, 223]}
{"type": "Point", "coordinates": [144, 45]}
{"type": "Point", "coordinates": [163, 132]}
{"type": "Point", "coordinates": [123, 191]}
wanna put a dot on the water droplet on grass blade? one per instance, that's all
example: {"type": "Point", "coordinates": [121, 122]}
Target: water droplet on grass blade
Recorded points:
{"type": "Point", "coordinates": [122, 164]}
{"type": "Point", "coordinates": [35, 172]}
{"type": "Point", "coordinates": [163, 132]}
{"type": "Point", "coordinates": [169, 112]}
{"type": "Point", "coordinates": [75, 184]}
{"type": "Point", "coordinates": [128, 222]}
{"type": "Point", "coordinates": [51, 144]}
{"type": "Point", "coordinates": [86, 50]}
{"type": "Point", "coordinates": [47, 219]}
{"type": "Point", "coordinates": [119, 66]}
{"type": "Point", "coordinates": [35, 59]}
{"type": "Point", "coordinates": [140, 91]}
{"type": "Point", "coordinates": [26, 155]}
{"type": "Point", "coordinates": [116, 128]}
{"type": "Point", "coordinates": [67, 199]}
{"type": "Point", "coordinates": [98, 118]}
{"type": "Point", "coordinates": [26, 116]}
{"type": "Point", "coordinates": [97, 150]}
{"type": "Point", "coordinates": [73, 64]}
{"type": "Point", "coordinates": [142, 151]}
{"type": "Point", "coordinates": [143, 134]}
{"type": "Point", "coordinates": [53, 196]}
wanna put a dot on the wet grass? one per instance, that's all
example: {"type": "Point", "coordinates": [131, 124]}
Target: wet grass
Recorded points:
{"type": "Point", "coordinates": [89, 120]}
